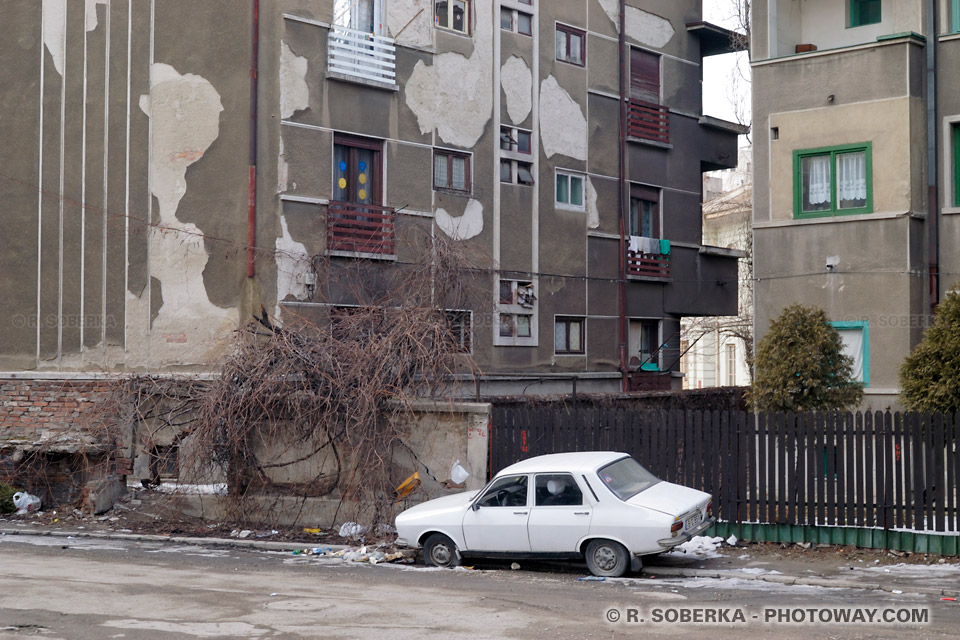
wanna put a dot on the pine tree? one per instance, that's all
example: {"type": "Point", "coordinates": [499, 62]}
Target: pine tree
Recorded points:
{"type": "Point", "coordinates": [930, 376]}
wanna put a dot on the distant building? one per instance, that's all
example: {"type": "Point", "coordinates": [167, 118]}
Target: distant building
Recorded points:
{"type": "Point", "coordinates": [856, 157]}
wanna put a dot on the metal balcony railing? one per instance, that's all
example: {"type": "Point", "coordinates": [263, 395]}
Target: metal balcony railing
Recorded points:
{"type": "Point", "coordinates": [360, 228]}
{"type": "Point", "coordinates": [651, 265]}
{"type": "Point", "coordinates": [362, 55]}
{"type": "Point", "coordinates": [648, 121]}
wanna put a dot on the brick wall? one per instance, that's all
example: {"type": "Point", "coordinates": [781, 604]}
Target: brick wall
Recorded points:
{"type": "Point", "coordinates": [31, 409]}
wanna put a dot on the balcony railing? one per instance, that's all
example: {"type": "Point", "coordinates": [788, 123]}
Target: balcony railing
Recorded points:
{"type": "Point", "coordinates": [360, 228]}
{"type": "Point", "coordinates": [650, 265]}
{"type": "Point", "coordinates": [648, 121]}
{"type": "Point", "coordinates": [362, 55]}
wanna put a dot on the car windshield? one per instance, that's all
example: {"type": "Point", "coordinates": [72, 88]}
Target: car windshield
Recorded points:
{"type": "Point", "coordinates": [626, 478]}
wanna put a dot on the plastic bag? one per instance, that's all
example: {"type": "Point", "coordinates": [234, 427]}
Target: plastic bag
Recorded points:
{"type": "Point", "coordinates": [25, 503]}
{"type": "Point", "coordinates": [458, 474]}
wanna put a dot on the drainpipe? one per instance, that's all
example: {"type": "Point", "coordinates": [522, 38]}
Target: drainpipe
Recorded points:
{"type": "Point", "coordinates": [622, 279]}
{"type": "Point", "coordinates": [252, 172]}
{"type": "Point", "coordinates": [933, 199]}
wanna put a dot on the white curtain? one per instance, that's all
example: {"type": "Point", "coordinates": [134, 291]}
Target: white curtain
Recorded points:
{"type": "Point", "coordinates": [852, 176]}
{"type": "Point", "coordinates": [818, 170]}
{"type": "Point", "coordinates": [853, 347]}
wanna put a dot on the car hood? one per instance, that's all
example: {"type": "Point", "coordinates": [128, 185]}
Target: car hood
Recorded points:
{"type": "Point", "coordinates": [457, 501]}
{"type": "Point", "coordinates": [671, 499]}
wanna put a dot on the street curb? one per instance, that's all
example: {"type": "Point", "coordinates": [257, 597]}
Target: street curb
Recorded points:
{"type": "Point", "coordinates": [264, 545]}
{"type": "Point", "coordinates": [793, 580]}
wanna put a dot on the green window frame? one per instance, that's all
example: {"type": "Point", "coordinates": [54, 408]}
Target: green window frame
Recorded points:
{"type": "Point", "coordinates": [864, 328]}
{"type": "Point", "coordinates": [832, 155]}
{"type": "Point", "coordinates": [864, 12]}
{"type": "Point", "coordinates": [956, 163]}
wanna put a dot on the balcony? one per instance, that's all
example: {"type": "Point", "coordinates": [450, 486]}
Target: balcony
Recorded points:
{"type": "Point", "coordinates": [649, 380]}
{"type": "Point", "coordinates": [646, 263]}
{"type": "Point", "coordinates": [361, 229]}
{"type": "Point", "coordinates": [361, 56]}
{"type": "Point", "coordinates": [647, 121]}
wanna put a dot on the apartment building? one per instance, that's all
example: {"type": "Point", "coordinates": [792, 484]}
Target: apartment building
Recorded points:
{"type": "Point", "coordinates": [856, 108]}
{"type": "Point", "coordinates": [173, 166]}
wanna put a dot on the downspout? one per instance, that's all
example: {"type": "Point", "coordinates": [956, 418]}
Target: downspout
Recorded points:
{"type": "Point", "coordinates": [933, 198]}
{"type": "Point", "coordinates": [252, 171]}
{"type": "Point", "coordinates": [622, 273]}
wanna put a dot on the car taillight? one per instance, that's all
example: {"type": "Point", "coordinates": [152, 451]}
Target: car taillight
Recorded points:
{"type": "Point", "coordinates": [677, 526]}
{"type": "Point", "coordinates": [710, 509]}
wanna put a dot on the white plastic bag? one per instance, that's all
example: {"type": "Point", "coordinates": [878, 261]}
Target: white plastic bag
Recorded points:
{"type": "Point", "coordinates": [25, 503]}
{"type": "Point", "coordinates": [458, 474]}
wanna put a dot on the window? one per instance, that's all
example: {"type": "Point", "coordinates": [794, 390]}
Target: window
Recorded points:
{"type": "Point", "coordinates": [356, 170]}
{"type": "Point", "coordinates": [863, 12]}
{"type": "Point", "coordinates": [644, 212]}
{"type": "Point", "coordinates": [571, 45]}
{"type": "Point", "coordinates": [731, 353]}
{"type": "Point", "coordinates": [452, 14]}
{"type": "Point", "coordinates": [516, 172]}
{"type": "Point", "coordinates": [557, 490]}
{"type": "Point", "coordinates": [516, 140]}
{"type": "Point", "coordinates": [516, 319]}
{"type": "Point", "coordinates": [645, 344]}
{"type": "Point", "coordinates": [644, 76]}
{"type": "Point", "coordinates": [510, 491]}
{"type": "Point", "coordinates": [570, 190]}
{"type": "Point", "coordinates": [833, 181]}
{"type": "Point", "coordinates": [568, 335]}
{"type": "Point", "coordinates": [856, 344]}
{"type": "Point", "coordinates": [955, 16]}
{"type": "Point", "coordinates": [362, 15]}
{"type": "Point", "coordinates": [956, 163]}
{"type": "Point", "coordinates": [518, 21]}
{"type": "Point", "coordinates": [451, 171]}
{"type": "Point", "coordinates": [460, 328]}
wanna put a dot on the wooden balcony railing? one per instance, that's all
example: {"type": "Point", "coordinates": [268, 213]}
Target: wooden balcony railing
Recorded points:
{"type": "Point", "coordinates": [361, 228]}
{"type": "Point", "coordinates": [651, 265]}
{"type": "Point", "coordinates": [649, 381]}
{"type": "Point", "coordinates": [648, 121]}
{"type": "Point", "coordinates": [362, 55]}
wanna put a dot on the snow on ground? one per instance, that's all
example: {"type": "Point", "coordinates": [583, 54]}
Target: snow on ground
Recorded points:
{"type": "Point", "coordinates": [923, 571]}
{"type": "Point", "coordinates": [699, 546]}
{"type": "Point", "coordinates": [73, 543]}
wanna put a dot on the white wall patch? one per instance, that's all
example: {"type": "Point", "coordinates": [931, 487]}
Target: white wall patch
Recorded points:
{"type": "Point", "coordinates": [467, 226]}
{"type": "Point", "coordinates": [641, 26]}
{"type": "Point", "coordinates": [293, 265]}
{"type": "Point", "coordinates": [517, 82]}
{"type": "Point", "coordinates": [410, 22]}
{"type": "Point", "coordinates": [294, 92]}
{"type": "Point", "coordinates": [54, 33]}
{"type": "Point", "coordinates": [283, 169]}
{"type": "Point", "coordinates": [593, 214]}
{"type": "Point", "coordinates": [91, 14]}
{"type": "Point", "coordinates": [563, 127]}
{"type": "Point", "coordinates": [454, 95]}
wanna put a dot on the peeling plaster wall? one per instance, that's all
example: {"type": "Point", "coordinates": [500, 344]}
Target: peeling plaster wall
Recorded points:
{"type": "Point", "coordinates": [294, 92]}
{"type": "Point", "coordinates": [410, 22]}
{"type": "Point", "coordinates": [454, 95]}
{"type": "Point", "coordinates": [293, 263]}
{"type": "Point", "coordinates": [54, 35]}
{"type": "Point", "coordinates": [593, 214]}
{"type": "Point", "coordinates": [641, 26]}
{"type": "Point", "coordinates": [516, 79]}
{"type": "Point", "coordinates": [563, 127]}
{"type": "Point", "coordinates": [469, 225]}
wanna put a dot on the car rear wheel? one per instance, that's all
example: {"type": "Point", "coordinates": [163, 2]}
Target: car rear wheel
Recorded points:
{"type": "Point", "coordinates": [440, 551]}
{"type": "Point", "coordinates": [607, 558]}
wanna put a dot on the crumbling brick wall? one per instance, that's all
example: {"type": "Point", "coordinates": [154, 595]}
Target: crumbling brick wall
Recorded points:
{"type": "Point", "coordinates": [30, 409]}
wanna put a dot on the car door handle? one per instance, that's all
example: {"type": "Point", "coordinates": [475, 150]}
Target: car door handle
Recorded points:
{"type": "Point", "coordinates": [581, 513]}
{"type": "Point", "coordinates": [520, 513]}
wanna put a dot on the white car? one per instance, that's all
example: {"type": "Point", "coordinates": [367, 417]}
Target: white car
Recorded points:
{"type": "Point", "coordinates": [598, 505]}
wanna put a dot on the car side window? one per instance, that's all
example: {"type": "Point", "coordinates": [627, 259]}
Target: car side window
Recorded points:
{"type": "Point", "coordinates": [557, 489]}
{"type": "Point", "coordinates": [509, 491]}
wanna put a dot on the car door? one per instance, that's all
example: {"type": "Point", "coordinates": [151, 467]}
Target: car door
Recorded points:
{"type": "Point", "coordinates": [499, 520]}
{"type": "Point", "coordinates": [560, 516]}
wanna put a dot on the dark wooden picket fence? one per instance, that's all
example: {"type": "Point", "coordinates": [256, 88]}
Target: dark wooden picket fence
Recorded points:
{"type": "Point", "coordinates": [879, 470]}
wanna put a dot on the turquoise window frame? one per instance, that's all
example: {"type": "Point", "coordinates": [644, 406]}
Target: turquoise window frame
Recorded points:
{"type": "Point", "coordinates": [865, 330]}
{"type": "Point", "coordinates": [857, 20]}
{"type": "Point", "coordinates": [956, 161]}
{"type": "Point", "coordinates": [954, 16]}
{"type": "Point", "coordinates": [833, 152]}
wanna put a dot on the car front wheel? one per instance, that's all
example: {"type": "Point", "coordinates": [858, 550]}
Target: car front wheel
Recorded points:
{"type": "Point", "coordinates": [440, 551]}
{"type": "Point", "coordinates": [607, 558]}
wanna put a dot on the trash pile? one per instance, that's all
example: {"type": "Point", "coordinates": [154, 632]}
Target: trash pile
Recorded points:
{"type": "Point", "coordinates": [25, 503]}
{"type": "Point", "coordinates": [381, 553]}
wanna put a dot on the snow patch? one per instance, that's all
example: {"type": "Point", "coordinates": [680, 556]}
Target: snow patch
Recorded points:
{"type": "Point", "coordinates": [700, 546]}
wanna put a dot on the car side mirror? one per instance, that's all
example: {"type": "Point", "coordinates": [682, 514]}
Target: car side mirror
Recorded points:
{"type": "Point", "coordinates": [475, 506]}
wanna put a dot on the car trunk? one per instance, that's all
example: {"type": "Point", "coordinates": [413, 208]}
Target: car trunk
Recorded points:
{"type": "Point", "coordinates": [672, 499]}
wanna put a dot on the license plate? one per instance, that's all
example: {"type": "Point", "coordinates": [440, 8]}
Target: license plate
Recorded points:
{"type": "Point", "coordinates": [693, 521]}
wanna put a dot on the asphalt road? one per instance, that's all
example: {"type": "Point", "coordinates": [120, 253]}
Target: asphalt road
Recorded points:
{"type": "Point", "coordinates": [96, 589]}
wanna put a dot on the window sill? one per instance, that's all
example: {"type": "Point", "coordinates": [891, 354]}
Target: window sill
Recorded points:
{"type": "Point", "coordinates": [559, 206]}
{"type": "Point", "coordinates": [950, 211]}
{"type": "Point", "coordinates": [453, 32]}
{"type": "Point", "coordinates": [454, 192]}
{"type": "Point", "coordinates": [335, 253]}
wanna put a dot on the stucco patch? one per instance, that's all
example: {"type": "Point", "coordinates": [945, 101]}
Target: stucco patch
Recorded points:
{"type": "Point", "coordinates": [593, 214]}
{"type": "Point", "coordinates": [464, 227]}
{"type": "Point", "coordinates": [54, 36]}
{"type": "Point", "coordinates": [293, 263]}
{"type": "Point", "coordinates": [410, 22]}
{"type": "Point", "coordinates": [294, 92]}
{"type": "Point", "coordinates": [641, 26]}
{"type": "Point", "coordinates": [184, 111]}
{"type": "Point", "coordinates": [517, 82]}
{"type": "Point", "coordinates": [563, 127]}
{"type": "Point", "coordinates": [454, 95]}
{"type": "Point", "coordinates": [283, 169]}
{"type": "Point", "coordinates": [91, 13]}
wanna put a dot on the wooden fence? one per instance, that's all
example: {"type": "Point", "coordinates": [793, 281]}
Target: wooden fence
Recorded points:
{"type": "Point", "coordinates": [876, 470]}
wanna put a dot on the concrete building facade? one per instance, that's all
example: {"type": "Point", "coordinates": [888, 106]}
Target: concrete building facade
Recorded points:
{"type": "Point", "coordinates": [855, 105]}
{"type": "Point", "coordinates": [172, 166]}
